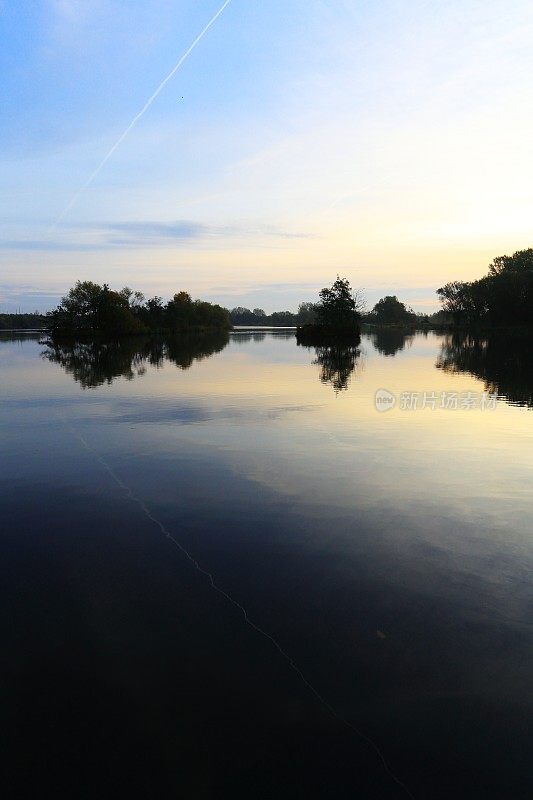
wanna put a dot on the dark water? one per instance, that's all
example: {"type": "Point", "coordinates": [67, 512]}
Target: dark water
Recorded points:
{"type": "Point", "coordinates": [387, 553]}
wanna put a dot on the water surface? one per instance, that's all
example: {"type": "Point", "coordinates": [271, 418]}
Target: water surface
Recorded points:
{"type": "Point", "coordinates": [387, 553]}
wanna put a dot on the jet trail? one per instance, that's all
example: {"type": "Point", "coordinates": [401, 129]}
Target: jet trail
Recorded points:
{"type": "Point", "coordinates": [138, 116]}
{"type": "Point", "coordinates": [214, 585]}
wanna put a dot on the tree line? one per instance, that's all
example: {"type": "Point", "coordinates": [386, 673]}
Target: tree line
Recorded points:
{"type": "Point", "coordinates": [90, 310]}
{"type": "Point", "coordinates": [246, 316]}
{"type": "Point", "coordinates": [502, 297]}
{"type": "Point", "coordinates": [10, 322]}
{"type": "Point", "coordinates": [93, 362]}
{"type": "Point", "coordinates": [504, 364]}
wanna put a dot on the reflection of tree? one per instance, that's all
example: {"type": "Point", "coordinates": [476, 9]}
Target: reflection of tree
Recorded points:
{"type": "Point", "coordinates": [389, 341]}
{"type": "Point", "coordinates": [185, 350]}
{"type": "Point", "coordinates": [504, 364]}
{"type": "Point", "coordinates": [248, 336]}
{"type": "Point", "coordinates": [240, 337]}
{"type": "Point", "coordinates": [337, 362]}
{"type": "Point", "coordinates": [95, 363]}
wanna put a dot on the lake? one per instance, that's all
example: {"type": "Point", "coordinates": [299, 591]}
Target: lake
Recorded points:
{"type": "Point", "coordinates": [236, 567]}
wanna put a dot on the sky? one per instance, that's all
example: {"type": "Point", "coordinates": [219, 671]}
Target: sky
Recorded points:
{"type": "Point", "coordinates": [385, 141]}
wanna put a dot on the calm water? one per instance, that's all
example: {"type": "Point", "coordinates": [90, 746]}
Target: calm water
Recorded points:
{"type": "Point", "coordinates": [388, 554]}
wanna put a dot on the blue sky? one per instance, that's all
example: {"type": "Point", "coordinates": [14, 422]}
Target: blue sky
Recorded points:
{"type": "Point", "coordinates": [387, 141]}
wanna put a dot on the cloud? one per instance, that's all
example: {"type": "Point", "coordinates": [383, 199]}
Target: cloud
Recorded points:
{"type": "Point", "coordinates": [46, 244]}
{"type": "Point", "coordinates": [69, 20]}
{"type": "Point", "coordinates": [27, 298]}
{"type": "Point", "coordinates": [141, 232]}
{"type": "Point", "coordinates": [187, 230]}
{"type": "Point", "coordinates": [147, 234]}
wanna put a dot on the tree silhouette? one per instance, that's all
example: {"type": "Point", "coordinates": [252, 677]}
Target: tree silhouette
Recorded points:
{"type": "Point", "coordinates": [502, 297]}
{"type": "Point", "coordinates": [339, 306]}
{"type": "Point", "coordinates": [96, 362]}
{"type": "Point", "coordinates": [390, 310]}
{"type": "Point", "coordinates": [389, 341]}
{"type": "Point", "coordinates": [504, 364]}
{"type": "Point", "coordinates": [92, 310]}
{"type": "Point", "coordinates": [337, 364]}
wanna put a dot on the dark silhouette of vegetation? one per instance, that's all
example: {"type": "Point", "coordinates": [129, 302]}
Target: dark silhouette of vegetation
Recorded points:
{"type": "Point", "coordinates": [439, 319]}
{"type": "Point", "coordinates": [243, 316]}
{"type": "Point", "coordinates": [90, 310]}
{"type": "Point", "coordinates": [306, 314]}
{"type": "Point", "coordinates": [337, 364]}
{"type": "Point", "coordinates": [95, 362]}
{"type": "Point", "coordinates": [337, 358]}
{"type": "Point", "coordinates": [35, 321]}
{"type": "Point", "coordinates": [390, 340]}
{"type": "Point", "coordinates": [182, 314]}
{"type": "Point", "coordinates": [503, 363]}
{"type": "Point", "coordinates": [337, 316]}
{"type": "Point", "coordinates": [503, 297]}
{"type": "Point", "coordinates": [240, 337]}
{"type": "Point", "coordinates": [339, 306]}
{"type": "Point", "coordinates": [391, 311]}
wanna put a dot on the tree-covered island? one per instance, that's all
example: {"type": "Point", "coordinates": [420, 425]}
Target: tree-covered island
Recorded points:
{"type": "Point", "coordinates": [337, 316]}
{"type": "Point", "coordinates": [502, 299]}
{"type": "Point", "coordinates": [90, 310]}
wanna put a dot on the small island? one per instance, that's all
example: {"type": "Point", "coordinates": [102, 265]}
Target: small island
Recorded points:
{"type": "Point", "coordinates": [337, 317]}
{"type": "Point", "coordinates": [93, 311]}
{"type": "Point", "coordinates": [499, 301]}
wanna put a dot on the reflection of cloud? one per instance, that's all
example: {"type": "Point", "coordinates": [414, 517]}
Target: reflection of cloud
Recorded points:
{"type": "Point", "coordinates": [190, 414]}
{"type": "Point", "coordinates": [183, 414]}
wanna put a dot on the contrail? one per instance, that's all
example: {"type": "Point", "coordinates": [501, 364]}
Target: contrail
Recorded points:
{"type": "Point", "coordinates": [214, 585]}
{"type": "Point", "coordinates": [138, 116]}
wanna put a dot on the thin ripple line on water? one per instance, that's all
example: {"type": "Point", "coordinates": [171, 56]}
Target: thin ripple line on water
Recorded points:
{"type": "Point", "coordinates": [290, 661]}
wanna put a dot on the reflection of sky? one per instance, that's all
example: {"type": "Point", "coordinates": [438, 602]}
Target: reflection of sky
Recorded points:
{"type": "Point", "coordinates": [452, 479]}
{"type": "Point", "coordinates": [327, 519]}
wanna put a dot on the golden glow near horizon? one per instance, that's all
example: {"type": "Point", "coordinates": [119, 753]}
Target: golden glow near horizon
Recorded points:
{"type": "Point", "coordinates": [262, 404]}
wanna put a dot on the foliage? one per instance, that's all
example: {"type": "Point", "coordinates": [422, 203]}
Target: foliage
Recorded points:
{"type": "Point", "coordinates": [339, 306]}
{"type": "Point", "coordinates": [89, 310]}
{"type": "Point", "coordinates": [389, 341]}
{"type": "Point", "coordinates": [391, 311]}
{"type": "Point", "coordinates": [94, 362]}
{"type": "Point", "coordinates": [183, 313]}
{"type": "Point", "coordinates": [22, 321]}
{"type": "Point", "coordinates": [244, 316]}
{"type": "Point", "coordinates": [439, 319]}
{"type": "Point", "coordinates": [503, 363]}
{"type": "Point", "coordinates": [502, 297]}
{"type": "Point", "coordinates": [337, 363]}
{"type": "Point", "coordinates": [306, 314]}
